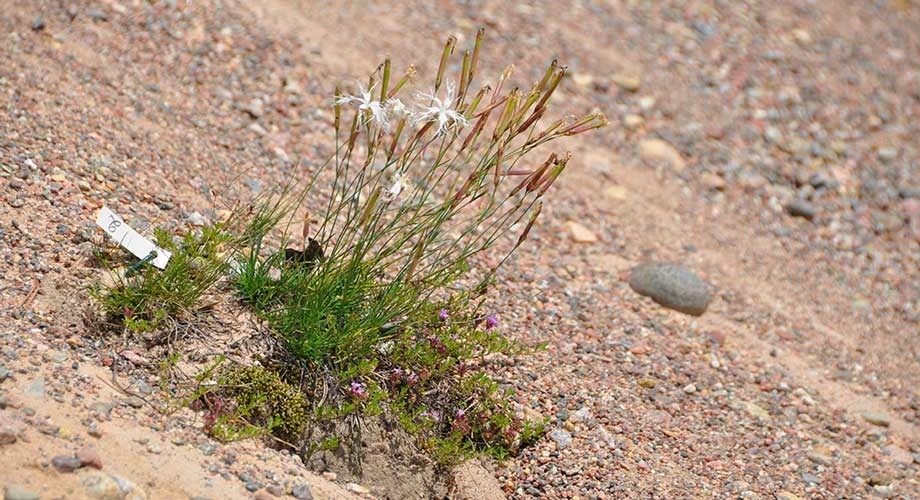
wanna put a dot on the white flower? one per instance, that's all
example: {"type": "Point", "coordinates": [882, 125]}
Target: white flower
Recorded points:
{"type": "Point", "coordinates": [396, 188]}
{"type": "Point", "coordinates": [395, 107]}
{"type": "Point", "coordinates": [440, 111]}
{"type": "Point", "coordinates": [366, 103]}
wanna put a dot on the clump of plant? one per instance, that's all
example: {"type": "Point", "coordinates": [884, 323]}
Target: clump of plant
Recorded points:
{"type": "Point", "coordinates": [417, 192]}
{"type": "Point", "coordinates": [141, 297]}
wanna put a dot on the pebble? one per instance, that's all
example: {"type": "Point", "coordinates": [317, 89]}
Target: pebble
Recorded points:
{"type": "Point", "coordinates": [884, 491]}
{"type": "Point", "coordinates": [562, 438]}
{"type": "Point", "coordinates": [302, 492]}
{"type": "Point", "coordinates": [357, 489]}
{"type": "Point", "coordinates": [785, 495]}
{"type": "Point", "coordinates": [689, 389]}
{"type": "Point", "coordinates": [196, 219]}
{"type": "Point", "coordinates": [672, 286]}
{"type": "Point", "coordinates": [100, 485]}
{"type": "Point", "coordinates": [802, 208]}
{"type": "Point", "coordinates": [877, 418]}
{"type": "Point", "coordinates": [811, 478]}
{"type": "Point", "coordinates": [38, 24]}
{"type": "Point", "coordinates": [887, 154]}
{"type": "Point", "coordinates": [16, 492]}
{"type": "Point", "coordinates": [633, 122]}
{"type": "Point", "coordinates": [89, 457]}
{"type": "Point", "coordinates": [5, 373]}
{"type": "Point", "coordinates": [580, 234]}
{"type": "Point", "coordinates": [253, 108]}
{"type": "Point", "coordinates": [655, 150]}
{"type": "Point", "coordinates": [617, 192]}
{"type": "Point", "coordinates": [66, 463]}
{"type": "Point", "coordinates": [627, 82]}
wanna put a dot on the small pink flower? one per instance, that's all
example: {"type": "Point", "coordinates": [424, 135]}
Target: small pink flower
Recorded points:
{"type": "Point", "coordinates": [358, 390]}
{"type": "Point", "coordinates": [491, 321]}
{"type": "Point", "coordinates": [443, 314]}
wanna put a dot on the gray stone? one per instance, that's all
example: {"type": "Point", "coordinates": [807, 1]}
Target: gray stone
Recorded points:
{"type": "Point", "coordinates": [100, 485]}
{"type": "Point", "coordinates": [196, 219]}
{"type": "Point", "coordinates": [5, 373]}
{"type": "Point", "coordinates": [562, 438]}
{"type": "Point", "coordinates": [811, 478]}
{"type": "Point", "coordinates": [302, 491]}
{"type": "Point", "coordinates": [802, 208]}
{"type": "Point", "coordinates": [672, 286]}
{"type": "Point", "coordinates": [877, 418]}
{"type": "Point", "coordinates": [16, 492]}
{"type": "Point", "coordinates": [65, 463]}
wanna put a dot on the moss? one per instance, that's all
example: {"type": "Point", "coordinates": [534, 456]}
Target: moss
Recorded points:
{"type": "Point", "coordinates": [263, 399]}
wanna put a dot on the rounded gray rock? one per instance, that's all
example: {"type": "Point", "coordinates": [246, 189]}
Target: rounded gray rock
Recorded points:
{"type": "Point", "coordinates": [672, 286]}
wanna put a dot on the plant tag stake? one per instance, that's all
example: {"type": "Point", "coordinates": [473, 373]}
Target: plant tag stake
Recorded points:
{"type": "Point", "coordinates": [127, 237]}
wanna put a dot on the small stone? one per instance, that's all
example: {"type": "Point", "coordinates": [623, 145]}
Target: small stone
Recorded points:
{"type": "Point", "coordinates": [633, 122]}
{"type": "Point", "coordinates": [55, 356]}
{"type": "Point", "coordinates": [330, 476]}
{"type": "Point", "coordinates": [17, 202]}
{"type": "Point", "coordinates": [884, 491]}
{"type": "Point", "coordinates": [647, 383]}
{"type": "Point", "coordinates": [655, 150]}
{"type": "Point", "coordinates": [887, 154]}
{"type": "Point", "coordinates": [671, 286]}
{"type": "Point", "coordinates": [129, 490]}
{"type": "Point", "coordinates": [16, 492]}
{"type": "Point", "coordinates": [646, 103]}
{"type": "Point", "coordinates": [909, 192]}
{"type": "Point", "coordinates": [134, 402]}
{"type": "Point", "coordinates": [785, 495]}
{"type": "Point", "coordinates": [689, 389]}
{"type": "Point", "coordinates": [89, 457]}
{"type": "Point", "coordinates": [93, 430]}
{"type": "Point", "coordinates": [66, 463]}
{"type": "Point", "coordinates": [97, 15]}
{"type": "Point", "coordinates": [38, 23]}
{"type": "Point", "coordinates": [154, 448]}
{"type": "Point", "coordinates": [802, 36]}
{"type": "Point", "coordinates": [756, 411]}
{"type": "Point", "coordinates": [811, 478]}
{"type": "Point", "coordinates": [819, 457]}
{"type": "Point", "coordinates": [627, 82]}
{"type": "Point", "coordinates": [562, 438]}
{"type": "Point", "coordinates": [357, 489]}
{"type": "Point", "coordinates": [302, 492]}
{"type": "Point", "coordinates": [752, 182]}
{"type": "Point", "coordinates": [877, 418]}
{"type": "Point", "coordinates": [5, 373]}
{"type": "Point", "coordinates": [100, 485]}
{"type": "Point", "coordinates": [580, 234]}
{"type": "Point", "coordinates": [253, 108]}
{"type": "Point", "coordinates": [252, 486]}
{"type": "Point", "coordinates": [617, 192]}
{"type": "Point", "coordinates": [196, 219]}
{"type": "Point", "coordinates": [879, 479]}
{"type": "Point", "coordinates": [103, 409]}
{"type": "Point", "coordinates": [713, 181]}
{"type": "Point", "coordinates": [802, 208]}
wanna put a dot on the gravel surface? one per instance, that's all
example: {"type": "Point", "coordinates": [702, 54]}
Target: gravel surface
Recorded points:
{"type": "Point", "coordinates": [767, 147]}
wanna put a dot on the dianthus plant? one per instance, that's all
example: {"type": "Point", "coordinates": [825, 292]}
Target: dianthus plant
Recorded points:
{"type": "Point", "coordinates": [422, 182]}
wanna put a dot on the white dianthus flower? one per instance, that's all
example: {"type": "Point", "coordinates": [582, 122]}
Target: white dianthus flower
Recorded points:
{"type": "Point", "coordinates": [435, 109]}
{"type": "Point", "coordinates": [366, 102]}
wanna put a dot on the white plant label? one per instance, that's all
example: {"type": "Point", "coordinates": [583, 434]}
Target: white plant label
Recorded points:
{"type": "Point", "coordinates": [127, 237]}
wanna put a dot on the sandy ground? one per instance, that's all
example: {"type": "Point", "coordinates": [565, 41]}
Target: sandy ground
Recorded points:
{"type": "Point", "coordinates": [799, 381]}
